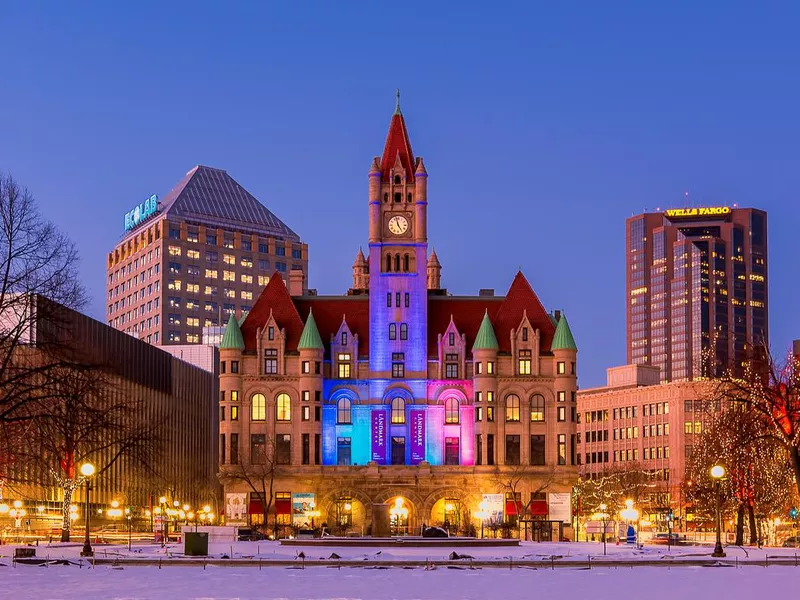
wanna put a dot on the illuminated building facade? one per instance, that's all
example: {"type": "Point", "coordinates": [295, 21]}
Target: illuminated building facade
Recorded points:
{"type": "Point", "coordinates": [696, 288]}
{"type": "Point", "coordinates": [637, 423]}
{"type": "Point", "coordinates": [206, 251]}
{"type": "Point", "coordinates": [397, 392]}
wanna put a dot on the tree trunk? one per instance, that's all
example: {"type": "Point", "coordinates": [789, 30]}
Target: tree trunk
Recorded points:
{"type": "Point", "coordinates": [794, 454]}
{"type": "Point", "coordinates": [753, 528]}
{"type": "Point", "coordinates": [740, 525]}
{"type": "Point", "coordinates": [66, 523]}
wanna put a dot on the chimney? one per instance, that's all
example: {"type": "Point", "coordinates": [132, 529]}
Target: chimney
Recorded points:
{"type": "Point", "coordinates": [486, 292]}
{"type": "Point", "coordinates": [296, 282]}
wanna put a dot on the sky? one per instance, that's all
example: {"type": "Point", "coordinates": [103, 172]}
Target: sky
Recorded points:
{"type": "Point", "coordinates": [543, 125]}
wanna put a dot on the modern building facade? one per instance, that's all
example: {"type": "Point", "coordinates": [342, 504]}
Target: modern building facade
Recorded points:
{"type": "Point", "coordinates": [398, 392]}
{"type": "Point", "coordinates": [637, 423]}
{"type": "Point", "coordinates": [206, 251]}
{"type": "Point", "coordinates": [178, 398]}
{"type": "Point", "coordinates": [696, 289]}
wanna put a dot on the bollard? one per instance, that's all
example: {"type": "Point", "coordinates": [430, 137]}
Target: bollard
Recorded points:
{"type": "Point", "coordinates": [259, 564]}
{"type": "Point", "coordinates": [159, 563]}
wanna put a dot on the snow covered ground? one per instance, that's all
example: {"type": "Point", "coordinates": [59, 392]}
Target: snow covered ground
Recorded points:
{"type": "Point", "coordinates": [218, 583]}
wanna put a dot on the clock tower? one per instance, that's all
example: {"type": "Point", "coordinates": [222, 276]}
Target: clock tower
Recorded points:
{"type": "Point", "coordinates": [398, 252]}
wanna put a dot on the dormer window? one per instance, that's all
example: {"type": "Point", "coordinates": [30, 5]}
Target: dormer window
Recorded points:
{"type": "Point", "coordinates": [270, 333]}
{"type": "Point", "coordinates": [397, 180]}
{"type": "Point", "coordinates": [451, 339]}
{"type": "Point", "coordinates": [344, 338]}
{"type": "Point", "coordinates": [524, 334]}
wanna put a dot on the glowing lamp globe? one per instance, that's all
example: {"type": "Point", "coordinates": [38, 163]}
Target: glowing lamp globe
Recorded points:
{"type": "Point", "coordinates": [718, 471]}
{"type": "Point", "coordinates": [87, 469]}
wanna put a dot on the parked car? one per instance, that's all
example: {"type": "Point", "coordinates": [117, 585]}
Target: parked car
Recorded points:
{"type": "Point", "coordinates": [666, 538]}
{"type": "Point", "coordinates": [791, 542]}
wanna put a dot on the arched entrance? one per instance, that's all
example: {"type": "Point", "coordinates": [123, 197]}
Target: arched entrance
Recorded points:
{"type": "Point", "coordinates": [399, 516]}
{"type": "Point", "coordinates": [345, 513]}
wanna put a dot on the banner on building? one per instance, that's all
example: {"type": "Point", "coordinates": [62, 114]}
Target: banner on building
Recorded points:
{"type": "Point", "coordinates": [493, 504]}
{"type": "Point", "coordinates": [417, 418]}
{"type": "Point", "coordinates": [560, 507]}
{"type": "Point", "coordinates": [302, 503]}
{"type": "Point", "coordinates": [235, 508]}
{"type": "Point", "coordinates": [380, 423]}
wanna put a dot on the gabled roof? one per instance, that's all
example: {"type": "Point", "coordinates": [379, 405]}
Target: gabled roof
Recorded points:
{"type": "Point", "coordinates": [485, 339]}
{"type": "Point", "coordinates": [310, 339]}
{"type": "Point", "coordinates": [397, 144]}
{"type": "Point", "coordinates": [563, 340]}
{"type": "Point", "coordinates": [232, 340]}
{"type": "Point", "coordinates": [274, 299]}
{"type": "Point", "coordinates": [213, 196]}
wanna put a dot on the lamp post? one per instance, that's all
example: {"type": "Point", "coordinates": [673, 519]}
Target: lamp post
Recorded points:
{"type": "Point", "coordinates": [163, 512]}
{"type": "Point", "coordinates": [718, 473]}
{"type": "Point", "coordinates": [604, 519]}
{"type": "Point", "coordinates": [129, 516]}
{"type": "Point", "coordinates": [87, 470]}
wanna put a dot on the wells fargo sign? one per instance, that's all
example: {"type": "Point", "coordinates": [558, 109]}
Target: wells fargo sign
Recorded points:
{"type": "Point", "coordinates": [703, 211]}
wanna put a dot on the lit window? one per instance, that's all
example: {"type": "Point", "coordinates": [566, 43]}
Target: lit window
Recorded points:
{"type": "Point", "coordinates": [258, 407]}
{"type": "Point", "coordinates": [174, 251]}
{"type": "Point", "coordinates": [284, 407]}
{"type": "Point", "coordinates": [193, 288]}
{"type": "Point", "coordinates": [343, 412]}
{"type": "Point", "coordinates": [451, 412]}
{"type": "Point", "coordinates": [174, 284]}
{"type": "Point", "coordinates": [490, 368]}
{"type": "Point", "coordinates": [246, 295]}
{"type": "Point", "coordinates": [398, 411]}
{"type": "Point", "coordinates": [561, 368]}
{"type": "Point", "coordinates": [344, 366]}
{"type": "Point", "coordinates": [512, 408]}
{"type": "Point", "coordinates": [229, 259]}
{"type": "Point", "coordinates": [524, 362]}
{"type": "Point", "coordinates": [537, 408]}
{"type": "Point", "coordinates": [263, 280]}
{"type": "Point", "coordinates": [211, 273]}
{"type": "Point", "coordinates": [247, 278]}
{"type": "Point", "coordinates": [193, 254]}
{"type": "Point", "coordinates": [229, 276]}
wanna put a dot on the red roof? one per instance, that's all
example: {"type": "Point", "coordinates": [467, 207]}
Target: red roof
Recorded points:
{"type": "Point", "coordinates": [397, 143]}
{"type": "Point", "coordinates": [467, 312]}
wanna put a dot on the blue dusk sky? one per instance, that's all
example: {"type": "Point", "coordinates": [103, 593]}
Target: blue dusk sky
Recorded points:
{"type": "Point", "coordinates": [543, 126]}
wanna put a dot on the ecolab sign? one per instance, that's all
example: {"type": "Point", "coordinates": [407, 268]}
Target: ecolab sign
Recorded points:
{"type": "Point", "coordinates": [712, 211]}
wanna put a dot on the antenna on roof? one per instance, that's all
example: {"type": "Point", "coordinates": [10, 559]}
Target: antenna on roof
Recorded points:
{"type": "Point", "coordinates": [397, 106]}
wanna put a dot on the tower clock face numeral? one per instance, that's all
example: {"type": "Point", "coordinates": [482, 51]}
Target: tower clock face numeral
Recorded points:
{"type": "Point", "coordinates": [398, 225]}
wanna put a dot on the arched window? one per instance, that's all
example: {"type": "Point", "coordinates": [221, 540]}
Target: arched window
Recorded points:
{"type": "Point", "coordinates": [398, 411]}
{"type": "Point", "coordinates": [258, 407]}
{"type": "Point", "coordinates": [512, 407]}
{"type": "Point", "coordinates": [283, 404]}
{"type": "Point", "coordinates": [451, 413]}
{"type": "Point", "coordinates": [537, 408]}
{"type": "Point", "coordinates": [343, 412]}
{"type": "Point", "coordinates": [405, 263]}
{"type": "Point", "coordinates": [397, 180]}
{"type": "Point", "coordinates": [388, 263]}
{"type": "Point", "coordinates": [397, 262]}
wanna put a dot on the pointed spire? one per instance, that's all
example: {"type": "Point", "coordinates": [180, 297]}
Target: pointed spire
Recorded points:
{"type": "Point", "coordinates": [397, 147]}
{"type": "Point", "coordinates": [310, 339]}
{"type": "Point", "coordinates": [397, 107]}
{"type": "Point", "coordinates": [421, 170]}
{"type": "Point", "coordinates": [361, 260]}
{"type": "Point", "coordinates": [433, 260]}
{"type": "Point", "coordinates": [486, 339]}
{"type": "Point", "coordinates": [232, 340]}
{"type": "Point", "coordinates": [375, 167]}
{"type": "Point", "coordinates": [563, 340]}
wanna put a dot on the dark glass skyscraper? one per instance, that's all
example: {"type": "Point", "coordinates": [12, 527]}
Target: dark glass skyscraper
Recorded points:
{"type": "Point", "coordinates": [696, 288]}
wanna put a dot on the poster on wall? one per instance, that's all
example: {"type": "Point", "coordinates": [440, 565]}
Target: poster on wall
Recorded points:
{"type": "Point", "coordinates": [417, 418]}
{"type": "Point", "coordinates": [235, 508]}
{"type": "Point", "coordinates": [379, 431]}
{"type": "Point", "coordinates": [493, 504]}
{"type": "Point", "coordinates": [560, 507]}
{"type": "Point", "coordinates": [302, 502]}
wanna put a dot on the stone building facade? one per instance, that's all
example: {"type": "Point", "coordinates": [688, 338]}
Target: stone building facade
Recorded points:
{"type": "Point", "coordinates": [397, 392]}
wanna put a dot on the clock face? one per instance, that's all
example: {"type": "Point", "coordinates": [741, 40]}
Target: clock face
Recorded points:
{"type": "Point", "coordinates": [398, 225]}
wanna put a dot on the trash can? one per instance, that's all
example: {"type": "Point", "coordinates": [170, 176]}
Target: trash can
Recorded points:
{"type": "Point", "coordinates": [196, 543]}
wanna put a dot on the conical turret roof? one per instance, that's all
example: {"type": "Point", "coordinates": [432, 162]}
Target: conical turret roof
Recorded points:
{"type": "Point", "coordinates": [563, 340]}
{"type": "Point", "coordinates": [310, 339]}
{"type": "Point", "coordinates": [486, 339]}
{"type": "Point", "coordinates": [232, 340]}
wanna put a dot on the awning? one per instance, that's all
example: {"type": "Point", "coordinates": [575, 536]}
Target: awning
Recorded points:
{"type": "Point", "coordinates": [255, 507]}
{"type": "Point", "coordinates": [539, 508]}
{"type": "Point", "coordinates": [283, 506]}
{"type": "Point", "coordinates": [511, 508]}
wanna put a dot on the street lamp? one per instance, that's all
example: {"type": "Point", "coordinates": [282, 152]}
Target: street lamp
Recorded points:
{"type": "Point", "coordinates": [162, 510]}
{"type": "Point", "coordinates": [718, 473]}
{"type": "Point", "coordinates": [87, 470]}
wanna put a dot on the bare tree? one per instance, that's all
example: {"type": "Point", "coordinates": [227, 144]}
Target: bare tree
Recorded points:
{"type": "Point", "coordinates": [36, 261]}
{"type": "Point", "coordinates": [257, 470]}
{"type": "Point", "coordinates": [512, 479]}
{"type": "Point", "coordinates": [86, 417]}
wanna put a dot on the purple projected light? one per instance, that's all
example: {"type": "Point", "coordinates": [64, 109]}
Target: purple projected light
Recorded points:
{"type": "Point", "coordinates": [417, 418]}
{"type": "Point", "coordinates": [379, 424]}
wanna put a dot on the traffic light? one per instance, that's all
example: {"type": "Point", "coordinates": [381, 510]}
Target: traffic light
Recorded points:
{"type": "Point", "coordinates": [793, 512]}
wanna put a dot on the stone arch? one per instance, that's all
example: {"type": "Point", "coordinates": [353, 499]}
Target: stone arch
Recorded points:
{"type": "Point", "coordinates": [468, 500]}
{"type": "Point", "coordinates": [447, 391]}
{"type": "Point", "coordinates": [343, 392]}
{"type": "Point", "coordinates": [393, 392]}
